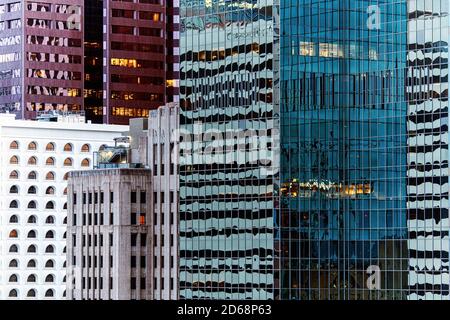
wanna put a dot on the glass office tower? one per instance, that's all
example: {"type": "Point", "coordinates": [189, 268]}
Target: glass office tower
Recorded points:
{"type": "Point", "coordinates": [228, 170]}
{"type": "Point", "coordinates": [343, 206]}
{"type": "Point", "coordinates": [427, 90]}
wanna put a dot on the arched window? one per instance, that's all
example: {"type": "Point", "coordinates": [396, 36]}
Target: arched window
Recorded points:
{"type": "Point", "coordinates": [31, 264]}
{"type": "Point", "coordinates": [65, 264]}
{"type": "Point", "coordinates": [13, 293]}
{"type": "Point", "coordinates": [31, 249]}
{"type": "Point", "coordinates": [14, 145]}
{"type": "Point", "coordinates": [13, 278]}
{"type": "Point", "coordinates": [14, 160]}
{"type": "Point", "coordinates": [14, 204]}
{"type": "Point", "coordinates": [32, 219]}
{"type": "Point", "coordinates": [13, 263]}
{"type": "Point", "coordinates": [50, 249]}
{"type": "Point", "coordinates": [14, 189]}
{"type": "Point", "coordinates": [50, 161]}
{"type": "Point", "coordinates": [14, 219]}
{"type": "Point", "coordinates": [49, 293]}
{"type": "Point", "coordinates": [31, 234]}
{"type": "Point", "coordinates": [65, 206]}
{"type": "Point", "coordinates": [64, 279]}
{"type": "Point", "coordinates": [13, 234]}
{"type": "Point", "coordinates": [85, 163]}
{"type": "Point", "coordinates": [13, 249]}
{"type": "Point", "coordinates": [49, 264]}
{"type": "Point", "coordinates": [65, 191]}
{"type": "Point", "coordinates": [64, 249]}
{"type": "Point", "coordinates": [50, 190]}
{"type": "Point", "coordinates": [66, 176]}
{"type": "Point", "coordinates": [32, 161]}
{"type": "Point", "coordinates": [50, 147]}
{"type": "Point", "coordinates": [50, 176]}
{"type": "Point", "coordinates": [50, 220]}
{"type": "Point", "coordinates": [68, 162]}
{"type": "Point", "coordinates": [64, 294]}
{"type": "Point", "coordinates": [32, 205]}
{"type": "Point", "coordinates": [50, 235]}
{"type": "Point", "coordinates": [50, 205]}
{"type": "Point", "coordinates": [65, 220]}
{"type": "Point", "coordinates": [86, 148]}
{"type": "Point", "coordinates": [32, 146]}
{"type": "Point", "coordinates": [65, 235]}
{"type": "Point", "coordinates": [49, 278]}
{"type": "Point", "coordinates": [31, 293]}
{"type": "Point", "coordinates": [32, 175]}
{"type": "Point", "coordinates": [32, 190]}
{"type": "Point", "coordinates": [14, 175]}
{"type": "Point", "coordinates": [31, 278]}
{"type": "Point", "coordinates": [68, 147]}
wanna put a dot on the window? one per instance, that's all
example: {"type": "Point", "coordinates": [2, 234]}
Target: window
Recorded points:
{"type": "Point", "coordinates": [13, 293]}
{"type": "Point", "coordinates": [65, 206]}
{"type": "Point", "coordinates": [14, 219]}
{"type": "Point", "coordinates": [50, 249]}
{"type": "Point", "coordinates": [68, 162]}
{"type": "Point", "coordinates": [32, 175]}
{"type": "Point", "coordinates": [50, 161]}
{"type": "Point", "coordinates": [14, 160]}
{"type": "Point", "coordinates": [13, 234]}
{"type": "Point", "coordinates": [66, 176]}
{"type": "Point", "coordinates": [49, 278]}
{"type": "Point", "coordinates": [85, 163]}
{"type": "Point", "coordinates": [13, 263]}
{"type": "Point", "coordinates": [32, 219]}
{"type": "Point", "coordinates": [50, 220]}
{"type": "Point", "coordinates": [86, 148]}
{"type": "Point", "coordinates": [50, 190]}
{"type": "Point", "coordinates": [65, 220]}
{"type": "Point", "coordinates": [65, 192]}
{"type": "Point", "coordinates": [50, 147]}
{"type": "Point", "coordinates": [14, 189]}
{"type": "Point", "coordinates": [13, 249]}
{"type": "Point", "coordinates": [31, 249]}
{"type": "Point", "coordinates": [31, 234]}
{"type": "Point", "coordinates": [31, 264]}
{"type": "Point", "coordinates": [50, 176]}
{"type": "Point", "coordinates": [68, 147]}
{"type": "Point", "coordinates": [133, 196]}
{"type": "Point", "coordinates": [32, 205]}
{"type": "Point", "coordinates": [32, 161]}
{"type": "Point", "coordinates": [143, 197]}
{"type": "Point", "coordinates": [50, 205]}
{"type": "Point", "coordinates": [14, 145]}
{"type": "Point", "coordinates": [49, 293]}
{"type": "Point", "coordinates": [49, 264]}
{"type": "Point", "coordinates": [32, 190]}
{"type": "Point", "coordinates": [14, 204]}
{"type": "Point", "coordinates": [133, 239]}
{"type": "Point", "coordinates": [50, 235]}
{"type": "Point", "coordinates": [14, 175]}
{"type": "Point", "coordinates": [32, 146]}
{"type": "Point", "coordinates": [13, 278]}
{"type": "Point", "coordinates": [31, 293]}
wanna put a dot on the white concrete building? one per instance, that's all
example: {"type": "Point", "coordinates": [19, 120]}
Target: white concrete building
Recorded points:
{"type": "Point", "coordinates": [35, 157]}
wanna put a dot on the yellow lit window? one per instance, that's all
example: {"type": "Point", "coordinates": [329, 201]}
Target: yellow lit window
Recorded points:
{"type": "Point", "coordinates": [170, 83]}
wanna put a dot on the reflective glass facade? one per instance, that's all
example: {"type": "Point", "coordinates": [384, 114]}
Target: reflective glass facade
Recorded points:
{"type": "Point", "coordinates": [227, 178]}
{"type": "Point", "coordinates": [344, 142]}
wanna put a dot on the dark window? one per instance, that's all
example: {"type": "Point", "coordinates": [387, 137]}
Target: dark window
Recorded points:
{"type": "Point", "coordinates": [133, 239]}
{"type": "Point", "coordinates": [133, 218]}
{"type": "Point", "coordinates": [143, 197]}
{"type": "Point", "coordinates": [74, 198]}
{"type": "Point", "coordinates": [143, 239]}
{"type": "Point", "coordinates": [143, 283]}
{"type": "Point", "coordinates": [143, 261]}
{"type": "Point", "coordinates": [133, 196]}
{"type": "Point", "coordinates": [111, 197]}
{"type": "Point", "coordinates": [133, 261]}
{"type": "Point", "coordinates": [133, 283]}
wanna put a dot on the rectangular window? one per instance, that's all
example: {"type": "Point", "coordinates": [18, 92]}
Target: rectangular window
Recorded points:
{"type": "Point", "coordinates": [111, 239]}
{"type": "Point", "coordinates": [111, 197]}
{"type": "Point", "coordinates": [110, 261]}
{"type": "Point", "coordinates": [171, 196]}
{"type": "Point", "coordinates": [143, 239]}
{"type": "Point", "coordinates": [133, 283]}
{"type": "Point", "coordinates": [143, 262]}
{"type": "Point", "coordinates": [143, 197]}
{"type": "Point", "coordinates": [90, 198]}
{"type": "Point", "coordinates": [133, 239]}
{"type": "Point", "coordinates": [133, 218]}
{"type": "Point", "coordinates": [111, 218]}
{"type": "Point", "coordinates": [162, 197]}
{"type": "Point", "coordinates": [171, 262]}
{"type": "Point", "coordinates": [84, 197]}
{"type": "Point", "coordinates": [133, 261]}
{"type": "Point", "coordinates": [95, 197]}
{"type": "Point", "coordinates": [133, 196]}
{"type": "Point", "coordinates": [142, 219]}
{"type": "Point", "coordinates": [155, 197]}
{"type": "Point", "coordinates": [143, 285]}
{"type": "Point", "coordinates": [102, 197]}
{"type": "Point", "coordinates": [74, 197]}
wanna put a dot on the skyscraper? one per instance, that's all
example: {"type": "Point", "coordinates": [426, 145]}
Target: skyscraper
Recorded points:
{"type": "Point", "coordinates": [139, 57]}
{"type": "Point", "coordinates": [227, 170]}
{"type": "Point", "coordinates": [342, 213]}
{"type": "Point", "coordinates": [42, 56]}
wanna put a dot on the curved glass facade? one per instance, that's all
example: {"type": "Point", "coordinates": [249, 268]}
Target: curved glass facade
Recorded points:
{"type": "Point", "coordinates": [227, 173]}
